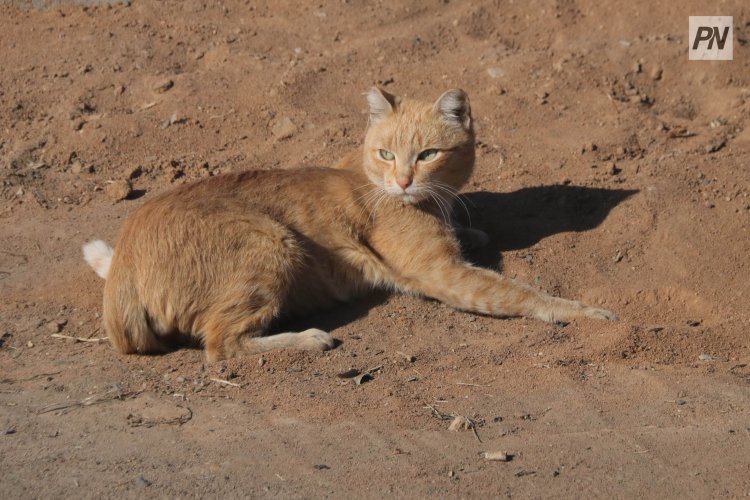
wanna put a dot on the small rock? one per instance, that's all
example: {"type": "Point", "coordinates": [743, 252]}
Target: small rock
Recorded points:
{"type": "Point", "coordinates": [11, 430]}
{"type": "Point", "coordinates": [680, 402]}
{"type": "Point", "coordinates": [283, 129]}
{"type": "Point", "coordinates": [656, 73]}
{"type": "Point", "coordinates": [497, 456]}
{"type": "Point", "coordinates": [694, 322]}
{"type": "Point", "coordinates": [460, 423]}
{"type": "Point", "coordinates": [706, 357]}
{"type": "Point", "coordinates": [321, 467]}
{"type": "Point", "coordinates": [164, 86]}
{"type": "Point", "coordinates": [362, 378]}
{"type": "Point", "coordinates": [140, 482]}
{"type": "Point", "coordinates": [56, 326]}
{"type": "Point", "coordinates": [29, 344]}
{"type": "Point", "coordinates": [79, 167]}
{"type": "Point", "coordinates": [618, 256]}
{"type": "Point", "coordinates": [715, 145]}
{"type": "Point", "coordinates": [495, 72]}
{"type": "Point", "coordinates": [118, 190]}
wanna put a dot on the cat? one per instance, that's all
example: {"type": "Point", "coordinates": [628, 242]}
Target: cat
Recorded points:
{"type": "Point", "coordinates": [218, 260]}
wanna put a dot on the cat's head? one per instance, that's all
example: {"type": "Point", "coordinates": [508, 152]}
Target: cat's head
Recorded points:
{"type": "Point", "coordinates": [415, 150]}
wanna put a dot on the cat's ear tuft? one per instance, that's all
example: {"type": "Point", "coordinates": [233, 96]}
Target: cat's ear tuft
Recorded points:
{"type": "Point", "coordinates": [381, 103]}
{"type": "Point", "coordinates": [454, 106]}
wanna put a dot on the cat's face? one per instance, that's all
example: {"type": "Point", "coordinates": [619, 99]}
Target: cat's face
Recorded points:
{"type": "Point", "coordinates": [416, 150]}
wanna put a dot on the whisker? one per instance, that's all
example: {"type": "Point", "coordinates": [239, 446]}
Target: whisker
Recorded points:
{"type": "Point", "coordinates": [455, 195]}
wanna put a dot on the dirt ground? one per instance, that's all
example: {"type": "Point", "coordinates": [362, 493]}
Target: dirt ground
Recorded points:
{"type": "Point", "coordinates": [610, 169]}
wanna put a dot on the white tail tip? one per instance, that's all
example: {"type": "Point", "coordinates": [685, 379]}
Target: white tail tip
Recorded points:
{"type": "Point", "coordinates": [99, 256]}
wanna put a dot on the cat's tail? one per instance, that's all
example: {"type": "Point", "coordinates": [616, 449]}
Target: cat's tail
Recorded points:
{"type": "Point", "coordinates": [98, 255]}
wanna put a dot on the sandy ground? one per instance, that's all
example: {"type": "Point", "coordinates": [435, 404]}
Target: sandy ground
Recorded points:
{"type": "Point", "coordinates": [610, 169]}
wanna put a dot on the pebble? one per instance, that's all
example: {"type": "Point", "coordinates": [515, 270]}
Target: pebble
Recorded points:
{"type": "Point", "coordinates": [715, 145]}
{"type": "Point", "coordinates": [706, 357]}
{"type": "Point", "coordinates": [656, 73]}
{"type": "Point", "coordinates": [283, 129]}
{"type": "Point", "coordinates": [56, 326]}
{"type": "Point", "coordinates": [140, 482]}
{"type": "Point", "coordinates": [118, 190]}
{"type": "Point", "coordinates": [79, 167]}
{"type": "Point", "coordinates": [497, 456]}
{"type": "Point", "coordinates": [496, 72]}
{"type": "Point", "coordinates": [164, 86]}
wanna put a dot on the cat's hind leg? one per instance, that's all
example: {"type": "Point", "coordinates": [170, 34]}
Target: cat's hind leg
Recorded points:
{"type": "Point", "coordinates": [226, 337]}
{"type": "Point", "coordinates": [250, 285]}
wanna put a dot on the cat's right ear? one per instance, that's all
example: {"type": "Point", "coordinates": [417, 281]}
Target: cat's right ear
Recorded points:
{"type": "Point", "coordinates": [381, 103]}
{"type": "Point", "coordinates": [454, 106]}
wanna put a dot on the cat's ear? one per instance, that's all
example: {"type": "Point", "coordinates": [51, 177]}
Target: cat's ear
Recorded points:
{"type": "Point", "coordinates": [381, 103]}
{"type": "Point", "coordinates": [454, 106]}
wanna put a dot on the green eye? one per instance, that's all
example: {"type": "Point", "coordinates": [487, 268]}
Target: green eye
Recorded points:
{"type": "Point", "coordinates": [386, 155]}
{"type": "Point", "coordinates": [427, 155]}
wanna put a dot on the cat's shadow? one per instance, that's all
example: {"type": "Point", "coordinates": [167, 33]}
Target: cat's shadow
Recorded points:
{"type": "Point", "coordinates": [522, 218]}
{"type": "Point", "coordinates": [512, 221]}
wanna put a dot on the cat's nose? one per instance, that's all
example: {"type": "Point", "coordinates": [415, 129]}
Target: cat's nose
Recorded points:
{"type": "Point", "coordinates": [404, 182]}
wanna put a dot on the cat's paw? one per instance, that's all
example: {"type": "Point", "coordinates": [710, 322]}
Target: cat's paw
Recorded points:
{"type": "Point", "coordinates": [562, 311]}
{"type": "Point", "coordinates": [593, 312]}
{"type": "Point", "coordinates": [313, 339]}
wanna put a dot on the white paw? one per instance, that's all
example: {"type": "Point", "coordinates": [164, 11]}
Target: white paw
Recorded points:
{"type": "Point", "coordinates": [316, 340]}
{"type": "Point", "coordinates": [593, 312]}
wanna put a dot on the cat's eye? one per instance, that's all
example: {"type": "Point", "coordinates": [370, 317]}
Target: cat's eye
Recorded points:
{"type": "Point", "coordinates": [386, 155]}
{"type": "Point", "coordinates": [427, 155]}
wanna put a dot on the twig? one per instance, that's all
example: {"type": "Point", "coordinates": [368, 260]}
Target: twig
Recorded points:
{"type": "Point", "coordinates": [472, 385]}
{"type": "Point", "coordinates": [216, 117]}
{"type": "Point", "coordinates": [11, 381]}
{"type": "Point", "coordinates": [78, 339]}
{"type": "Point", "coordinates": [91, 400]}
{"type": "Point", "coordinates": [437, 413]}
{"type": "Point", "coordinates": [224, 382]}
{"type": "Point", "coordinates": [474, 430]}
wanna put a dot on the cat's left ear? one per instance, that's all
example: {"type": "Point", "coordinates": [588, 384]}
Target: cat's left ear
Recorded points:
{"type": "Point", "coordinates": [454, 106]}
{"type": "Point", "coordinates": [381, 103]}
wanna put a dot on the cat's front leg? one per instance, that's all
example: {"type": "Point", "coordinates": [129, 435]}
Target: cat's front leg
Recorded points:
{"type": "Point", "coordinates": [483, 291]}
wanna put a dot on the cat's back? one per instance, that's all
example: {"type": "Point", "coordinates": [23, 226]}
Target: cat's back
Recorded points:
{"type": "Point", "coordinates": [300, 196]}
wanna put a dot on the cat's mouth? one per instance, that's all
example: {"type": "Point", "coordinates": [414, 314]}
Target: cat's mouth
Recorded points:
{"type": "Point", "coordinates": [410, 196]}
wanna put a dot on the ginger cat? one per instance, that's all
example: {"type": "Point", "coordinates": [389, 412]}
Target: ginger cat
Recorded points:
{"type": "Point", "coordinates": [219, 259]}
